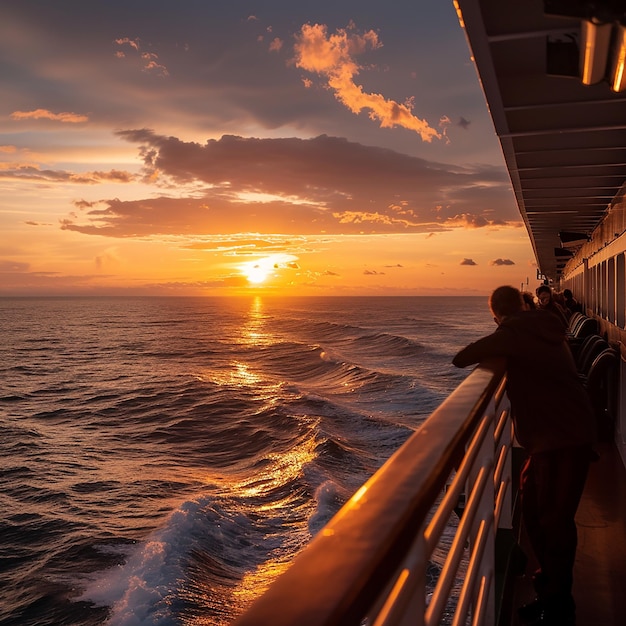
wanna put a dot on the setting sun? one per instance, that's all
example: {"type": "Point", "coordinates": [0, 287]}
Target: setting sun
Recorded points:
{"type": "Point", "coordinates": [256, 273]}
{"type": "Point", "coordinates": [259, 270]}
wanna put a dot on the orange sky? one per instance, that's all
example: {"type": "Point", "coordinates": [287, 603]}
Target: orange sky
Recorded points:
{"type": "Point", "coordinates": [209, 150]}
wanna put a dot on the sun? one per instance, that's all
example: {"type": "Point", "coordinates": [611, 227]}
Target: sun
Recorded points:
{"type": "Point", "coordinates": [260, 270]}
{"type": "Point", "coordinates": [256, 272]}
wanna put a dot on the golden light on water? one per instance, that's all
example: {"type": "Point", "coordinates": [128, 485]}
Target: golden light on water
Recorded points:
{"type": "Point", "coordinates": [253, 584]}
{"type": "Point", "coordinates": [254, 331]}
{"type": "Point", "coordinates": [275, 488]}
{"type": "Point", "coordinates": [283, 467]}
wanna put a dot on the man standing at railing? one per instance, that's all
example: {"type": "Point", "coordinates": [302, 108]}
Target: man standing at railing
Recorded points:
{"type": "Point", "coordinates": [554, 423]}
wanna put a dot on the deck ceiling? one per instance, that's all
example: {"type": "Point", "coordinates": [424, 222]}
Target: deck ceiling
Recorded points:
{"type": "Point", "coordinates": [564, 142]}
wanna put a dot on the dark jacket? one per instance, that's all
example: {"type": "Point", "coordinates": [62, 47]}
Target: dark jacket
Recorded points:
{"type": "Point", "coordinates": [556, 309]}
{"type": "Point", "coordinates": [551, 408]}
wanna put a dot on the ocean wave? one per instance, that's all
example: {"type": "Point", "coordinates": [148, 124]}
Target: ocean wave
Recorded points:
{"type": "Point", "coordinates": [390, 345]}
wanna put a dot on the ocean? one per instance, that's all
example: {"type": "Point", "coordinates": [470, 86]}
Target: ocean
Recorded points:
{"type": "Point", "coordinates": [163, 459]}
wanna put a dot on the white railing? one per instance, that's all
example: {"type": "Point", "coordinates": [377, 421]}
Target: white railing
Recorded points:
{"type": "Point", "coordinates": [370, 564]}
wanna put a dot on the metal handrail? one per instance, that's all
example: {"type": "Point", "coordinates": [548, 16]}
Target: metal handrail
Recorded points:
{"type": "Point", "coordinates": [370, 561]}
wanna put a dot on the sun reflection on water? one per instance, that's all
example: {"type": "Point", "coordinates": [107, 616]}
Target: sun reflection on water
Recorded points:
{"type": "Point", "coordinates": [273, 484]}
{"type": "Point", "coordinates": [255, 583]}
{"type": "Point", "coordinates": [283, 468]}
{"type": "Point", "coordinates": [254, 331]}
{"type": "Point", "coordinates": [275, 490]}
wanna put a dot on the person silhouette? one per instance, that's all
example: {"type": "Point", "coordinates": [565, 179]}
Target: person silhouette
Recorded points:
{"type": "Point", "coordinates": [554, 422]}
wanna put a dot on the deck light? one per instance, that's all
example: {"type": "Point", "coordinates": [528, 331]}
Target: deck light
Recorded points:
{"type": "Point", "coordinates": [601, 44]}
{"type": "Point", "coordinates": [618, 69]}
{"type": "Point", "coordinates": [594, 50]}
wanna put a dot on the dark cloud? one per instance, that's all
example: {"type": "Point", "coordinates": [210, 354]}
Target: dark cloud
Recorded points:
{"type": "Point", "coordinates": [502, 262]}
{"type": "Point", "coordinates": [463, 123]}
{"type": "Point", "coordinates": [468, 220]}
{"type": "Point", "coordinates": [33, 173]}
{"type": "Point", "coordinates": [294, 186]}
{"type": "Point", "coordinates": [468, 262]}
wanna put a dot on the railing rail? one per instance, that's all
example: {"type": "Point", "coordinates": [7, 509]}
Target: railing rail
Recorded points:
{"type": "Point", "coordinates": [369, 564]}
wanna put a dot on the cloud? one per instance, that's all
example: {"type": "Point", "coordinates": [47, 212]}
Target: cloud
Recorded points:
{"type": "Point", "coordinates": [44, 114]}
{"type": "Point", "coordinates": [468, 262]}
{"type": "Point", "coordinates": [373, 273]}
{"type": "Point", "coordinates": [468, 220]}
{"type": "Point", "coordinates": [332, 56]}
{"type": "Point", "coordinates": [502, 262]}
{"type": "Point", "coordinates": [276, 44]}
{"type": "Point", "coordinates": [34, 173]}
{"type": "Point", "coordinates": [463, 123]}
{"type": "Point", "coordinates": [152, 65]}
{"type": "Point", "coordinates": [149, 60]}
{"type": "Point", "coordinates": [241, 245]}
{"type": "Point", "coordinates": [324, 185]}
{"type": "Point", "coordinates": [133, 43]}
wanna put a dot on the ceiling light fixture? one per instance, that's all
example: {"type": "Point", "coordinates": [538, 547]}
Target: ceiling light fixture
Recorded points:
{"type": "Point", "coordinates": [594, 50]}
{"type": "Point", "coordinates": [618, 69]}
{"type": "Point", "coordinates": [600, 49]}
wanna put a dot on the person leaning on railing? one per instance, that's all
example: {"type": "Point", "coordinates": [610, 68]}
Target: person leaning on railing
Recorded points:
{"type": "Point", "coordinates": [553, 422]}
{"type": "Point", "coordinates": [547, 302]}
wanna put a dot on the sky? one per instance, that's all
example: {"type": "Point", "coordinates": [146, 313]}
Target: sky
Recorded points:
{"type": "Point", "coordinates": [208, 147]}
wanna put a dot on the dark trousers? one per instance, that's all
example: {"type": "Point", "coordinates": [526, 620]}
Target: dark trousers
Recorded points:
{"type": "Point", "coordinates": [551, 485]}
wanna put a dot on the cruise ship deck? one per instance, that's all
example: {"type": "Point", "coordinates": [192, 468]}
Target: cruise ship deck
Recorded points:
{"type": "Point", "coordinates": [601, 560]}
{"type": "Point", "coordinates": [553, 74]}
{"type": "Point", "coordinates": [601, 557]}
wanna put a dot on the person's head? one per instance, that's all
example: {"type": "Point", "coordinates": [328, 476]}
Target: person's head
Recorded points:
{"type": "Point", "coordinates": [567, 293]}
{"type": "Point", "coordinates": [505, 301]}
{"type": "Point", "coordinates": [544, 295]}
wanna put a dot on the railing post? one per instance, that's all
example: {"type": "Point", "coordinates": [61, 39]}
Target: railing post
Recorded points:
{"type": "Point", "coordinates": [486, 512]}
{"type": "Point", "coordinates": [505, 519]}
